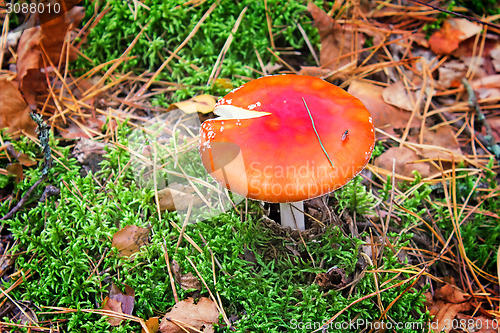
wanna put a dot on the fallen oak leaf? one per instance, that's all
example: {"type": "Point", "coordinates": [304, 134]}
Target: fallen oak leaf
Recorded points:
{"type": "Point", "coordinates": [129, 239]}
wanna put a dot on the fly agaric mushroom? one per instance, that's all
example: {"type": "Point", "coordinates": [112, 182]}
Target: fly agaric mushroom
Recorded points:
{"type": "Point", "coordinates": [285, 139]}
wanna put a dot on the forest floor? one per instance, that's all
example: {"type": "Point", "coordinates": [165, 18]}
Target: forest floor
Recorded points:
{"type": "Point", "coordinates": [111, 223]}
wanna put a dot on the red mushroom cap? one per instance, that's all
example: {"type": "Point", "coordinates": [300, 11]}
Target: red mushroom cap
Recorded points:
{"type": "Point", "coordinates": [288, 138]}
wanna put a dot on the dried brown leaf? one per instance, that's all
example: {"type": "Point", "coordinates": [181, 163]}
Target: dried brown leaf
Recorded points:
{"type": "Point", "coordinates": [451, 74]}
{"type": "Point", "coordinates": [478, 324]}
{"type": "Point", "coordinates": [190, 281]}
{"type": "Point", "coordinates": [450, 294]}
{"type": "Point", "coordinates": [495, 127]}
{"type": "Point", "coordinates": [126, 298]}
{"type": "Point", "coordinates": [446, 303]}
{"type": "Point", "coordinates": [28, 64]}
{"type": "Point", "coordinates": [51, 35]}
{"type": "Point", "coordinates": [445, 40]}
{"type": "Point", "coordinates": [334, 278]}
{"type": "Point", "coordinates": [495, 57]}
{"type": "Point", "coordinates": [23, 158]}
{"type": "Point", "coordinates": [14, 112]}
{"type": "Point", "coordinates": [16, 170]}
{"type": "Point", "coordinates": [153, 324]}
{"type": "Point", "coordinates": [396, 94]}
{"type": "Point", "coordinates": [201, 316]}
{"type": "Point", "coordinates": [384, 116]}
{"type": "Point", "coordinates": [186, 281]}
{"type": "Point", "coordinates": [314, 71]}
{"type": "Point", "coordinates": [466, 27]}
{"type": "Point", "coordinates": [113, 305]}
{"type": "Point", "coordinates": [176, 270]}
{"type": "Point", "coordinates": [404, 158]}
{"type": "Point", "coordinates": [86, 129]}
{"type": "Point", "coordinates": [202, 103]}
{"type": "Point", "coordinates": [178, 197]}
{"type": "Point", "coordinates": [19, 312]}
{"type": "Point", "coordinates": [443, 137]}
{"type": "Point", "coordinates": [336, 40]}
{"type": "Point", "coordinates": [129, 239]}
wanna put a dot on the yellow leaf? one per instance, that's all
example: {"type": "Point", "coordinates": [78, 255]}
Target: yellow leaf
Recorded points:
{"type": "Point", "coordinates": [202, 103]}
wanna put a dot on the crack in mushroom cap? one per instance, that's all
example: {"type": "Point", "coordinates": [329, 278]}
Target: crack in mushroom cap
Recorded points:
{"type": "Point", "coordinates": [264, 146]}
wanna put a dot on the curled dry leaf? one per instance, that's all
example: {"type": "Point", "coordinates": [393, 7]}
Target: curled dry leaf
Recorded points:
{"type": "Point", "coordinates": [14, 112]}
{"type": "Point", "coordinates": [115, 306]}
{"type": "Point", "coordinates": [466, 27]}
{"type": "Point", "coordinates": [334, 278]}
{"type": "Point", "coordinates": [188, 314]}
{"type": "Point", "coordinates": [31, 79]}
{"type": "Point", "coordinates": [186, 281]}
{"type": "Point", "coordinates": [202, 103]}
{"type": "Point", "coordinates": [129, 240]}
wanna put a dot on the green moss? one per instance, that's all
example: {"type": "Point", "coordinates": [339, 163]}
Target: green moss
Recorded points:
{"type": "Point", "coordinates": [62, 240]}
{"type": "Point", "coordinates": [170, 22]}
{"type": "Point", "coordinates": [481, 7]}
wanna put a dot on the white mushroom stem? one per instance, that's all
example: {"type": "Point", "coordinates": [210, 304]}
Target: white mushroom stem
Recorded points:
{"type": "Point", "coordinates": [292, 215]}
